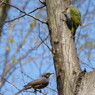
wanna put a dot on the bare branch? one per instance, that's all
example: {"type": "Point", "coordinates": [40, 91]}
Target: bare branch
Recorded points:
{"type": "Point", "coordinates": [26, 13]}
{"type": "Point", "coordinates": [22, 15]}
{"type": "Point", "coordinates": [43, 2]}
{"type": "Point", "coordinates": [9, 82]}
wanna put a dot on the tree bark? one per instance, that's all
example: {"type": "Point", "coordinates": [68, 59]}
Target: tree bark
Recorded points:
{"type": "Point", "coordinates": [87, 86]}
{"type": "Point", "coordinates": [70, 79]}
{"type": "Point", "coordinates": [64, 52]}
{"type": "Point", "coordinates": [3, 13]}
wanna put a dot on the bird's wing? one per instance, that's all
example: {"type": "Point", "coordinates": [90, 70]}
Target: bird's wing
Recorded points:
{"type": "Point", "coordinates": [38, 81]}
{"type": "Point", "coordinates": [76, 15]}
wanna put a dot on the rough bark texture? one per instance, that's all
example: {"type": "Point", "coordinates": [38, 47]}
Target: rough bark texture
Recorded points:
{"type": "Point", "coordinates": [64, 51]}
{"type": "Point", "coordinates": [70, 79]}
{"type": "Point", "coordinates": [3, 14]}
{"type": "Point", "coordinates": [87, 86]}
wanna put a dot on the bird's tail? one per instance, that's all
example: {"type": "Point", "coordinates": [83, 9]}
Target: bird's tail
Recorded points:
{"type": "Point", "coordinates": [20, 91]}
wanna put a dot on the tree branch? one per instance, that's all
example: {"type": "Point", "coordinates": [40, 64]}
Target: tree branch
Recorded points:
{"type": "Point", "coordinates": [25, 13]}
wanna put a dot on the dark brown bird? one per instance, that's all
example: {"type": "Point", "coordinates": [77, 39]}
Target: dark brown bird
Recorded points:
{"type": "Point", "coordinates": [38, 83]}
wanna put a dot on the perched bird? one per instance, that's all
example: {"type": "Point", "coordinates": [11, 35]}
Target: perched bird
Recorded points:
{"type": "Point", "coordinates": [73, 18]}
{"type": "Point", "coordinates": [38, 83]}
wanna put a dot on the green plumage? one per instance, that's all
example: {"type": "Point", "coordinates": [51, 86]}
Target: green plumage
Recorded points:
{"type": "Point", "coordinates": [73, 18]}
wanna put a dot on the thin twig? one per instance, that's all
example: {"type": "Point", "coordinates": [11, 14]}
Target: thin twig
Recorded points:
{"type": "Point", "coordinates": [44, 40]}
{"type": "Point", "coordinates": [22, 15]}
{"type": "Point", "coordinates": [9, 82]}
{"type": "Point", "coordinates": [37, 91]}
{"type": "Point", "coordinates": [53, 89]}
{"type": "Point", "coordinates": [27, 75]}
{"type": "Point", "coordinates": [43, 2]}
{"type": "Point", "coordinates": [25, 13]}
{"type": "Point", "coordinates": [45, 43]}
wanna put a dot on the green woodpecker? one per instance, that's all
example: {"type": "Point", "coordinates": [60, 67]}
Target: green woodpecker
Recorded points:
{"type": "Point", "coordinates": [73, 18]}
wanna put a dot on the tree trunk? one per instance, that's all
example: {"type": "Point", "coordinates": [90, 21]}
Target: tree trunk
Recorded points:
{"type": "Point", "coordinates": [3, 14]}
{"type": "Point", "coordinates": [70, 78]}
